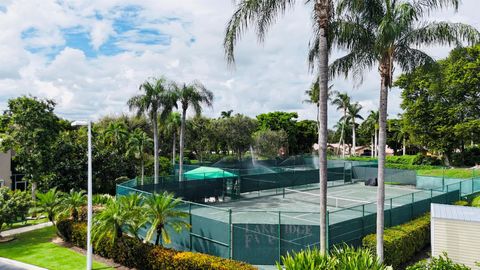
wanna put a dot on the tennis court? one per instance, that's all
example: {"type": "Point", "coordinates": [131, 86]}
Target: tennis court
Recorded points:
{"type": "Point", "coordinates": [301, 205]}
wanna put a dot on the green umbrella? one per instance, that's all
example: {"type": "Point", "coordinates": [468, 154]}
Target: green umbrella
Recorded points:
{"type": "Point", "coordinates": [201, 173]}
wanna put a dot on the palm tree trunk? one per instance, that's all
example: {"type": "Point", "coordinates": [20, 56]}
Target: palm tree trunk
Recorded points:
{"type": "Point", "coordinates": [354, 147]}
{"type": "Point", "coordinates": [376, 143]}
{"type": "Point", "coordinates": [372, 150]}
{"type": "Point", "coordinates": [340, 142]}
{"type": "Point", "coordinates": [382, 138]}
{"type": "Point", "coordinates": [143, 169]}
{"type": "Point", "coordinates": [404, 149]}
{"type": "Point", "coordinates": [182, 138]}
{"type": "Point", "coordinates": [322, 13]}
{"type": "Point", "coordinates": [343, 128]}
{"type": "Point", "coordinates": [174, 147]}
{"type": "Point", "coordinates": [155, 147]}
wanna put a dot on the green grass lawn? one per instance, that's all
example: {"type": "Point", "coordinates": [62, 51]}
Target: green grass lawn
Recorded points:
{"type": "Point", "coordinates": [450, 173]}
{"type": "Point", "coordinates": [36, 248]}
{"type": "Point", "coordinates": [25, 223]}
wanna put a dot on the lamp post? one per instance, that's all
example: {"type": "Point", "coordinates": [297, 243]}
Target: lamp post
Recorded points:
{"type": "Point", "coordinates": [89, 193]}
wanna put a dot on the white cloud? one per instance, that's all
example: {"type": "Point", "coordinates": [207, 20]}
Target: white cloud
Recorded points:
{"type": "Point", "coordinates": [267, 77]}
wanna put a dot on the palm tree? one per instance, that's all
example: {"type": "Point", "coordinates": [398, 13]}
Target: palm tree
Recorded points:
{"type": "Point", "coordinates": [354, 113]}
{"type": "Point", "coordinates": [137, 145]}
{"type": "Point", "coordinates": [172, 125]}
{"type": "Point", "coordinates": [342, 101]}
{"type": "Point", "coordinates": [372, 124]}
{"type": "Point", "coordinates": [156, 100]}
{"type": "Point", "coordinates": [73, 202]}
{"type": "Point", "coordinates": [161, 211]}
{"type": "Point", "coordinates": [132, 205]}
{"type": "Point", "coordinates": [226, 114]}
{"type": "Point", "coordinates": [262, 13]}
{"type": "Point", "coordinates": [115, 133]}
{"type": "Point", "coordinates": [108, 223]}
{"type": "Point", "coordinates": [383, 33]}
{"type": "Point", "coordinates": [48, 203]}
{"type": "Point", "coordinates": [194, 95]}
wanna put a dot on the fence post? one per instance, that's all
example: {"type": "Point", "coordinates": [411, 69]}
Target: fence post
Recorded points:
{"type": "Point", "coordinates": [230, 233]}
{"type": "Point", "coordinates": [327, 231]}
{"type": "Point", "coordinates": [190, 222]}
{"type": "Point", "coordinates": [279, 232]}
{"type": "Point", "coordinates": [391, 214]}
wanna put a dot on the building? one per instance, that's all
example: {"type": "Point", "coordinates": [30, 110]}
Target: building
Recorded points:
{"type": "Point", "coordinates": [456, 231]}
{"type": "Point", "coordinates": [6, 169]}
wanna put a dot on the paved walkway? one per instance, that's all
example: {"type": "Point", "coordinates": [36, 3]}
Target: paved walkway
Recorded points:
{"type": "Point", "coordinates": [25, 229]}
{"type": "Point", "coordinates": [7, 264]}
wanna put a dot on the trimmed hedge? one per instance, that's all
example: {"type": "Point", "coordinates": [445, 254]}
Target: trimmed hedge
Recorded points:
{"type": "Point", "coordinates": [402, 242]}
{"type": "Point", "coordinates": [133, 253]}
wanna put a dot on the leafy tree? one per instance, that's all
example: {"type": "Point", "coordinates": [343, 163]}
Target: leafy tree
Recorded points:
{"type": "Point", "coordinates": [199, 134]}
{"type": "Point", "coordinates": [342, 102]}
{"type": "Point", "coordinates": [13, 204]}
{"type": "Point", "coordinates": [115, 133]}
{"type": "Point", "coordinates": [263, 13]}
{"type": "Point", "coordinates": [307, 134]}
{"type": "Point", "coordinates": [268, 142]}
{"type": "Point", "coordinates": [161, 211]}
{"type": "Point", "coordinates": [138, 144]}
{"type": "Point", "coordinates": [383, 33]}
{"type": "Point", "coordinates": [238, 132]}
{"type": "Point", "coordinates": [192, 95]}
{"type": "Point", "coordinates": [49, 203]}
{"type": "Point", "coordinates": [31, 129]}
{"type": "Point", "coordinates": [281, 121]}
{"type": "Point", "coordinates": [157, 100]}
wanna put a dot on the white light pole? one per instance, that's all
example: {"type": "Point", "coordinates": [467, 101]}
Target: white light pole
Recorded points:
{"type": "Point", "coordinates": [89, 194]}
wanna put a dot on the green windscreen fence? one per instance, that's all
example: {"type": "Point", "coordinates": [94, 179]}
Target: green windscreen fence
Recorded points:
{"type": "Point", "coordinates": [262, 237]}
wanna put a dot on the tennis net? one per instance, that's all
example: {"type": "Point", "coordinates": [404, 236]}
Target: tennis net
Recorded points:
{"type": "Point", "coordinates": [313, 196]}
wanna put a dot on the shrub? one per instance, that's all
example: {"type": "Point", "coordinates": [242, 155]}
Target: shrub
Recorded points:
{"type": "Point", "coordinates": [440, 263]}
{"type": "Point", "coordinates": [341, 258]}
{"type": "Point", "coordinates": [133, 253]}
{"type": "Point", "coordinates": [402, 242]}
{"type": "Point", "coordinates": [476, 202]}
{"type": "Point", "coordinates": [461, 203]}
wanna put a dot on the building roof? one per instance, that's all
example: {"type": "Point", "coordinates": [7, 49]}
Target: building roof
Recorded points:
{"type": "Point", "coordinates": [455, 212]}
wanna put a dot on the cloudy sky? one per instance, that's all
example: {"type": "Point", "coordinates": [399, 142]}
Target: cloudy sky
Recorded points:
{"type": "Point", "coordinates": [90, 56]}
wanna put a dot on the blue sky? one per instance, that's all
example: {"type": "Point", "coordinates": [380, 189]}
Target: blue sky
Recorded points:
{"type": "Point", "coordinates": [91, 56]}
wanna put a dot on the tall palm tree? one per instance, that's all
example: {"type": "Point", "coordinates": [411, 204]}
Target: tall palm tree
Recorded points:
{"type": "Point", "coordinates": [49, 203]}
{"type": "Point", "coordinates": [138, 144]}
{"type": "Point", "coordinates": [372, 124]}
{"type": "Point", "coordinates": [262, 13]}
{"type": "Point", "coordinates": [156, 100]}
{"type": "Point", "coordinates": [172, 125]}
{"type": "Point", "coordinates": [73, 202]}
{"type": "Point", "coordinates": [191, 95]}
{"type": "Point", "coordinates": [385, 33]}
{"type": "Point", "coordinates": [161, 212]}
{"type": "Point", "coordinates": [342, 101]}
{"type": "Point", "coordinates": [353, 112]}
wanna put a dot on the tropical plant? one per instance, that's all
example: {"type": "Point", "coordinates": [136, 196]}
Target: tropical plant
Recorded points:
{"type": "Point", "coordinates": [342, 102]}
{"type": "Point", "coordinates": [161, 212]}
{"type": "Point", "coordinates": [226, 114]}
{"type": "Point", "coordinates": [372, 125]}
{"type": "Point", "coordinates": [476, 202]}
{"type": "Point", "coordinates": [353, 112]}
{"type": "Point", "coordinates": [190, 95]}
{"type": "Point", "coordinates": [49, 203]}
{"type": "Point", "coordinates": [115, 133]}
{"type": "Point", "coordinates": [137, 145]}
{"type": "Point", "coordinates": [384, 33]}
{"type": "Point", "coordinates": [132, 205]}
{"type": "Point", "coordinates": [108, 223]}
{"type": "Point", "coordinates": [341, 258]}
{"type": "Point", "coordinates": [441, 262]}
{"type": "Point", "coordinates": [306, 259]}
{"type": "Point", "coordinates": [101, 199]}
{"type": "Point", "coordinates": [72, 203]}
{"type": "Point", "coordinates": [156, 100]}
{"type": "Point", "coordinates": [262, 14]}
